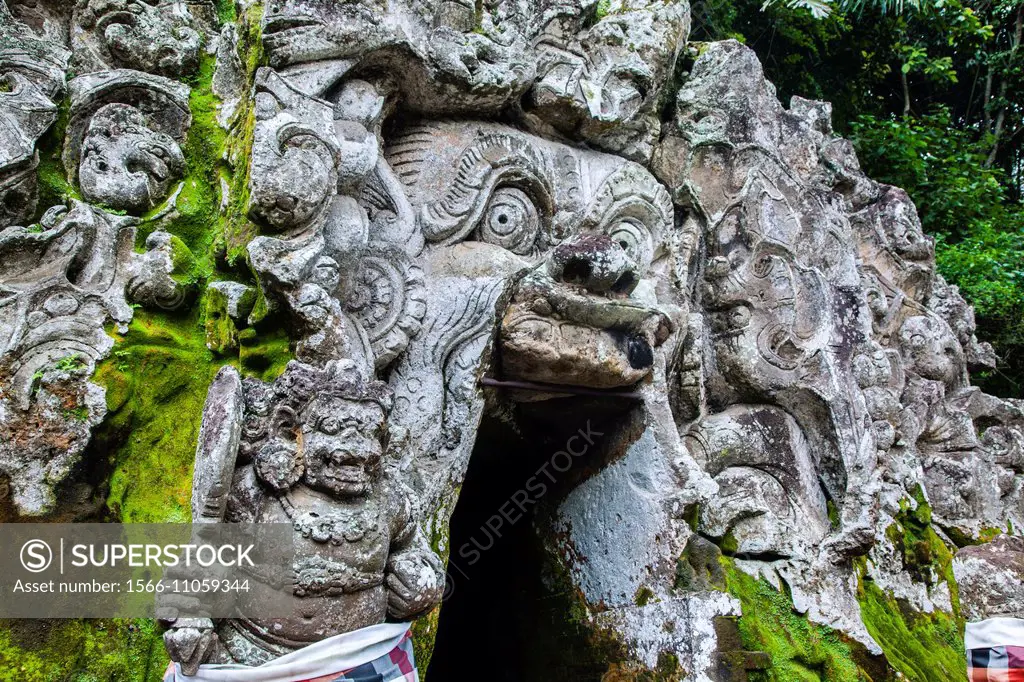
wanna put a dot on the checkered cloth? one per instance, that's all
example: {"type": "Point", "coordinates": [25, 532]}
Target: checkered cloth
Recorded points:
{"type": "Point", "coordinates": [381, 653]}
{"type": "Point", "coordinates": [995, 650]}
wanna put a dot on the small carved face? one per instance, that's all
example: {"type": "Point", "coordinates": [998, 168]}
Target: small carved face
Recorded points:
{"type": "Point", "coordinates": [899, 219]}
{"type": "Point", "coordinates": [139, 35]}
{"type": "Point", "coordinates": [342, 446]}
{"type": "Point", "coordinates": [125, 165]}
{"type": "Point", "coordinates": [930, 349]}
{"type": "Point", "coordinates": [603, 85]}
{"type": "Point", "coordinates": [281, 202]}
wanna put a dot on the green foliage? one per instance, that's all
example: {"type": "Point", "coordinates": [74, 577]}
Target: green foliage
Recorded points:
{"type": "Point", "coordinates": [979, 231]}
{"type": "Point", "coordinates": [941, 164]}
{"type": "Point", "coordinates": [70, 363]}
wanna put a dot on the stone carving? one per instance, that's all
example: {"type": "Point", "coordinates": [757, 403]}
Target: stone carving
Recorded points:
{"type": "Point", "coordinates": [123, 138]}
{"type": "Point", "coordinates": [309, 450]}
{"type": "Point", "coordinates": [67, 277]}
{"type": "Point", "coordinates": [158, 37]}
{"type": "Point", "coordinates": [429, 194]}
{"type": "Point", "coordinates": [61, 282]}
{"type": "Point", "coordinates": [602, 83]}
{"type": "Point", "coordinates": [31, 81]}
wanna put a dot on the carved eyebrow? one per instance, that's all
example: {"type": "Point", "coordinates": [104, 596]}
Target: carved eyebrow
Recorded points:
{"type": "Point", "coordinates": [490, 161]}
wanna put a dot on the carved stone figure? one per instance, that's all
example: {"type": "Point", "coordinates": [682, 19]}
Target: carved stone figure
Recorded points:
{"type": "Point", "coordinates": [308, 450]}
{"type": "Point", "coordinates": [32, 77]}
{"type": "Point", "coordinates": [521, 212]}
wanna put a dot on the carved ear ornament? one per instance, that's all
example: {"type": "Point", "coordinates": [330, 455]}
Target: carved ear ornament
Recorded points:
{"type": "Point", "coordinates": [388, 299]}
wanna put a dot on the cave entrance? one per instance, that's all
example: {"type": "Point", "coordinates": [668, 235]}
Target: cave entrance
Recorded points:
{"type": "Point", "coordinates": [507, 615]}
{"type": "Point", "coordinates": [493, 570]}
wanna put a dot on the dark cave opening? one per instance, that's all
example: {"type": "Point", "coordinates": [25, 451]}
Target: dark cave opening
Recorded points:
{"type": "Point", "coordinates": [508, 614]}
{"type": "Point", "coordinates": [493, 569]}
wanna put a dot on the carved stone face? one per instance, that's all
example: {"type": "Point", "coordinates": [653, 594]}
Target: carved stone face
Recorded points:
{"type": "Point", "coordinates": [604, 83]}
{"type": "Point", "coordinates": [140, 35]}
{"type": "Point", "coordinates": [588, 227]}
{"type": "Point", "coordinates": [306, 30]}
{"type": "Point", "coordinates": [125, 165]}
{"type": "Point", "coordinates": [931, 350]}
{"type": "Point", "coordinates": [342, 446]}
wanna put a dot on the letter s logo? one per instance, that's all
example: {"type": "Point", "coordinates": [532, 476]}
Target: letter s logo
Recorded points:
{"type": "Point", "coordinates": [36, 556]}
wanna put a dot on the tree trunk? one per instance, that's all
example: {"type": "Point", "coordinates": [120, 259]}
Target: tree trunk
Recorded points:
{"type": "Point", "coordinates": [1001, 115]}
{"type": "Point", "coordinates": [906, 93]}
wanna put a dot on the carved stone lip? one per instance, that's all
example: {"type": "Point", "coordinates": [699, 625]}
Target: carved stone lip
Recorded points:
{"type": "Point", "coordinates": [546, 298]}
{"type": "Point", "coordinates": [546, 349]}
{"type": "Point", "coordinates": [280, 23]}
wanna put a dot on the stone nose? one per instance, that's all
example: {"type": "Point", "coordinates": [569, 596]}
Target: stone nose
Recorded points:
{"type": "Point", "coordinates": [596, 262]}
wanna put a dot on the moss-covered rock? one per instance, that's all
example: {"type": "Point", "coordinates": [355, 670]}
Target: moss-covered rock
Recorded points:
{"type": "Point", "coordinates": [799, 650]}
{"type": "Point", "coordinates": [81, 651]}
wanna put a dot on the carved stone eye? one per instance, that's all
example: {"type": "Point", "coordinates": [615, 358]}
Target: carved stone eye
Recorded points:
{"type": "Point", "coordinates": [635, 240]}
{"type": "Point", "coordinates": [330, 425]}
{"type": "Point", "coordinates": [510, 221]}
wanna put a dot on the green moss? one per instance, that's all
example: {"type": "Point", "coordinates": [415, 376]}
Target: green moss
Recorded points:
{"type": "Point", "coordinates": [221, 332]}
{"type": "Point", "coordinates": [669, 667]}
{"type": "Point", "coordinates": [226, 13]}
{"type": "Point", "coordinates": [196, 215]}
{"type": "Point", "coordinates": [54, 188]}
{"type": "Point", "coordinates": [643, 596]}
{"type": "Point", "coordinates": [920, 646]}
{"type": "Point", "coordinates": [799, 650]}
{"type": "Point", "coordinates": [237, 229]}
{"type": "Point", "coordinates": [264, 354]}
{"type": "Point", "coordinates": [961, 539]}
{"type": "Point", "coordinates": [729, 545]}
{"type": "Point", "coordinates": [81, 651]}
{"type": "Point", "coordinates": [424, 632]}
{"type": "Point", "coordinates": [156, 385]}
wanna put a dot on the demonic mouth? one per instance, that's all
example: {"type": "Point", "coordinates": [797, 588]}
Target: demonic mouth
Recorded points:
{"type": "Point", "coordinates": [557, 334]}
{"type": "Point", "coordinates": [345, 468]}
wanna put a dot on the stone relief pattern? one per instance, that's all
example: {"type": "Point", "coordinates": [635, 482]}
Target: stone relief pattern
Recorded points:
{"type": "Point", "coordinates": [777, 313]}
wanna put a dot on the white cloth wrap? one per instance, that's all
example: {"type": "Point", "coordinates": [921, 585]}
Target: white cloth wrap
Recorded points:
{"type": "Point", "coordinates": [327, 657]}
{"type": "Point", "coordinates": [993, 632]}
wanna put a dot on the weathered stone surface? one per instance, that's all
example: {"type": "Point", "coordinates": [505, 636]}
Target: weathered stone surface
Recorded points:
{"type": "Point", "coordinates": [428, 193]}
{"type": "Point", "coordinates": [31, 80]}
{"type": "Point", "coordinates": [991, 579]}
{"type": "Point", "coordinates": [155, 37]}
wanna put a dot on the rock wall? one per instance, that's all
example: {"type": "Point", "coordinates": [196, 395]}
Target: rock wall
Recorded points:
{"type": "Point", "coordinates": [499, 209]}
